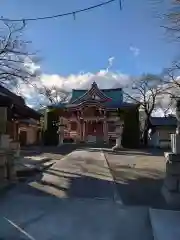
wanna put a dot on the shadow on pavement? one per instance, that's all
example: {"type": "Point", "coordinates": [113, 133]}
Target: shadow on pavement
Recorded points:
{"type": "Point", "coordinates": [142, 192]}
{"type": "Point", "coordinates": [139, 186]}
{"type": "Point", "coordinates": [147, 152]}
{"type": "Point", "coordinates": [63, 150]}
{"type": "Point", "coordinates": [134, 191]}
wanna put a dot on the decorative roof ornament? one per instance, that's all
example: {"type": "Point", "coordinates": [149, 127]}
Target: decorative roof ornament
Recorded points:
{"type": "Point", "coordinates": [94, 84]}
{"type": "Point", "coordinates": [93, 93]}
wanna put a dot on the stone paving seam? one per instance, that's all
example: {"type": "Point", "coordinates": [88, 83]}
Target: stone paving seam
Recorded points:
{"type": "Point", "coordinates": [116, 196]}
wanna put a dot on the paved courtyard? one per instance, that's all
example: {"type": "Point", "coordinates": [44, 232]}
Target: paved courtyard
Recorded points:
{"type": "Point", "coordinates": [134, 177]}
{"type": "Point", "coordinates": [84, 195]}
{"type": "Point", "coordinates": [138, 175]}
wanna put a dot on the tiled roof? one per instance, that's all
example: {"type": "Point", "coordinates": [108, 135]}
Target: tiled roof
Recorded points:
{"type": "Point", "coordinates": [107, 104]}
{"type": "Point", "coordinates": [8, 97]}
{"type": "Point", "coordinates": [15, 98]}
{"type": "Point", "coordinates": [163, 121]}
{"type": "Point", "coordinates": [115, 94]}
{"type": "Point", "coordinates": [110, 98]}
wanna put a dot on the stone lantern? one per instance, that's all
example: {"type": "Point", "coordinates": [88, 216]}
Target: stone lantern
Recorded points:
{"type": "Point", "coordinates": [178, 116]}
{"type": "Point", "coordinates": [171, 187]}
{"type": "Point", "coordinates": [175, 138]}
{"type": "Point", "coordinates": [119, 132]}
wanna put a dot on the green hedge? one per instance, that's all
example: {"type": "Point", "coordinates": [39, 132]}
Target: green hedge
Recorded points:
{"type": "Point", "coordinates": [131, 133]}
{"type": "Point", "coordinates": [50, 135]}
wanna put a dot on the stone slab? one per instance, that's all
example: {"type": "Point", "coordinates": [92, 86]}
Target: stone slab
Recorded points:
{"type": "Point", "coordinates": [165, 224]}
{"type": "Point", "coordinates": [172, 183]}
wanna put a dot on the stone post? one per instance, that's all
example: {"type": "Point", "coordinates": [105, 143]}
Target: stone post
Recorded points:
{"type": "Point", "coordinates": [119, 131]}
{"type": "Point", "coordinates": [105, 131]}
{"type": "Point", "coordinates": [61, 131]}
{"type": "Point", "coordinates": [171, 186]}
{"type": "Point", "coordinates": [84, 130]}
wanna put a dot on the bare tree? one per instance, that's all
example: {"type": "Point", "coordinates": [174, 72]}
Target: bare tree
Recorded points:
{"type": "Point", "coordinates": [172, 18]}
{"type": "Point", "coordinates": [14, 55]}
{"type": "Point", "coordinates": [52, 95]}
{"type": "Point", "coordinates": [145, 91]}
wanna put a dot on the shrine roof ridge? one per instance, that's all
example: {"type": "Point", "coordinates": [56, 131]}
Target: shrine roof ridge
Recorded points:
{"type": "Point", "coordinates": [102, 89]}
{"type": "Point", "coordinates": [108, 105]}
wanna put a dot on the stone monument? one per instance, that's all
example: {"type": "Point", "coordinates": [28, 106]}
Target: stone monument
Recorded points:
{"type": "Point", "coordinates": [171, 186]}
{"type": "Point", "coordinates": [119, 131]}
{"type": "Point", "coordinates": [7, 153]}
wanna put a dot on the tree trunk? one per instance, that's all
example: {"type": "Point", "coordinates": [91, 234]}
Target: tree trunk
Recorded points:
{"type": "Point", "coordinates": [145, 137]}
{"type": "Point", "coordinates": [146, 130]}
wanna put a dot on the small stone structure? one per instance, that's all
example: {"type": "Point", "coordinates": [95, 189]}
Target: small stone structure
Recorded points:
{"type": "Point", "coordinates": [9, 150]}
{"type": "Point", "coordinates": [61, 131]}
{"type": "Point", "coordinates": [119, 131]}
{"type": "Point", "coordinates": [171, 187]}
{"type": "Point", "coordinates": [7, 161]}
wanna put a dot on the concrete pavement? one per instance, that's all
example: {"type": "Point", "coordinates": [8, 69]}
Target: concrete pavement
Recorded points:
{"type": "Point", "coordinates": [139, 176]}
{"type": "Point", "coordinates": [64, 203]}
{"type": "Point", "coordinates": [82, 174]}
{"type": "Point", "coordinates": [42, 217]}
{"type": "Point", "coordinates": [76, 198]}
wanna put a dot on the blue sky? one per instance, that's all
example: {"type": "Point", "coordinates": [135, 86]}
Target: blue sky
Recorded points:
{"type": "Point", "coordinates": [133, 36]}
{"type": "Point", "coordinates": [105, 45]}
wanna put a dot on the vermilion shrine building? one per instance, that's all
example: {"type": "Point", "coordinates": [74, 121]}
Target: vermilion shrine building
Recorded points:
{"type": "Point", "coordinates": [94, 115]}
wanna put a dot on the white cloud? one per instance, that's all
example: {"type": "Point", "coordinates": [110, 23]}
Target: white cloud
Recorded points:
{"type": "Point", "coordinates": [30, 65]}
{"type": "Point", "coordinates": [134, 50]}
{"type": "Point", "coordinates": [83, 80]}
{"type": "Point", "coordinates": [110, 63]}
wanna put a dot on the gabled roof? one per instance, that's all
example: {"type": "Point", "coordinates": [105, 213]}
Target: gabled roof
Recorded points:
{"type": "Point", "coordinates": [163, 121]}
{"type": "Point", "coordinates": [109, 98]}
{"type": "Point", "coordinates": [93, 91]}
{"type": "Point", "coordinates": [113, 95]}
{"type": "Point", "coordinates": [15, 98]}
{"type": "Point", "coordinates": [17, 103]}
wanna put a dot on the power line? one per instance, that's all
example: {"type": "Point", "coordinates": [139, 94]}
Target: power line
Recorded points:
{"type": "Point", "coordinates": [73, 13]}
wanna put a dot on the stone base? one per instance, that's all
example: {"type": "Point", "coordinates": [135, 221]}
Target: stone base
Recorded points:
{"type": "Point", "coordinates": [116, 147]}
{"type": "Point", "coordinates": [118, 144]}
{"type": "Point", "coordinates": [4, 141]}
{"type": "Point", "coordinates": [171, 187]}
{"type": "Point", "coordinates": [172, 198]}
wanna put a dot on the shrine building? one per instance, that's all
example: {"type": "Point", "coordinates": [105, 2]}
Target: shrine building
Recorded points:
{"type": "Point", "coordinates": [92, 115]}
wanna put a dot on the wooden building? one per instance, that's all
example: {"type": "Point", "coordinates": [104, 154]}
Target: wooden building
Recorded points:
{"type": "Point", "coordinates": [14, 115]}
{"type": "Point", "coordinates": [92, 115]}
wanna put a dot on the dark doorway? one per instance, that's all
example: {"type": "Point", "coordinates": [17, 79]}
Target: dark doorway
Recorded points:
{"type": "Point", "coordinates": [23, 138]}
